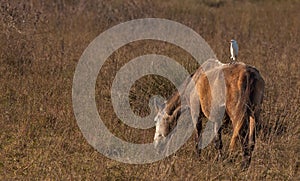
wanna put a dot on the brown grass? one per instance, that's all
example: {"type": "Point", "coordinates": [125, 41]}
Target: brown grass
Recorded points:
{"type": "Point", "coordinates": [41, 43]}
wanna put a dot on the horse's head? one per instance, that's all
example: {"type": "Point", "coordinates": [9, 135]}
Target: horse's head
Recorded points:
{"type": "Point", "coordinates": [164, 122]}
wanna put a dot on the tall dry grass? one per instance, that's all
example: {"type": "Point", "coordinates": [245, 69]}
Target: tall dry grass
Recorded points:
{"type": "Point", "coordinates": [41, 43]}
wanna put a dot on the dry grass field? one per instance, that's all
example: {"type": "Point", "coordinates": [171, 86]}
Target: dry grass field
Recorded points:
{"type": "Point", "coordinates": [42, 41]}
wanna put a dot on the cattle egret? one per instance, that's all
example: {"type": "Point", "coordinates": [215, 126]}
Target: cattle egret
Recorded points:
{"type": "Point", "coordinates": [234, 49]}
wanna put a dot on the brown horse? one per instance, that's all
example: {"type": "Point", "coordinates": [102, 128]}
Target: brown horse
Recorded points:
{"type": "Point", "coordinates": [243, 94]}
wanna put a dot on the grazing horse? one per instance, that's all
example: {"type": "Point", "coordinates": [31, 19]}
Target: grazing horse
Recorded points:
{"type": "Point", "coordinates": [244, 89]}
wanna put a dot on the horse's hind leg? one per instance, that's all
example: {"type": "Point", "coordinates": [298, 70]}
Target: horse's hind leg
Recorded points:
{"type": "Point", "coordinates": [251, 138]}
{"type": "Point", "coordinates": [248, 142]}
{"type": "Point", "coordinates": [254, 119]}
{"type": "Point", "coordinates": [245, 135]}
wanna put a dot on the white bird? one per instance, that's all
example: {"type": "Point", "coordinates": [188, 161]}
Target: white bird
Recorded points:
{"type": "Point", "coordinates": [234, 49]}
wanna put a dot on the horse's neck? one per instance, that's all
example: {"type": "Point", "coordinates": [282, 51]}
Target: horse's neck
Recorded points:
{"type": "Point", "coordinates": [184, 90]}
{"type": "Point", "coordinates": [176, 101]}
{"type": "Point", "coordinates": [172, 103]}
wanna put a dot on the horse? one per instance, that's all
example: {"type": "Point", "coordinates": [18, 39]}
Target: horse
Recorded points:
{"type": "Point", "coordinates": [244, 90]}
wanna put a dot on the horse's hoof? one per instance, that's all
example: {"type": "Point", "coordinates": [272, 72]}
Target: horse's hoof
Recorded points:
{"type": "Point", "coordinates": [198, 151]}
{"type": "Point", "coordinates": [220, 157]}
{"type": "Point", "coordinates": [244, 166]}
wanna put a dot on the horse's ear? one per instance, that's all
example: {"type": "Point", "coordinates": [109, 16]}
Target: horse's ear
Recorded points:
{"type": "Point", "coordinates": [158, 106]}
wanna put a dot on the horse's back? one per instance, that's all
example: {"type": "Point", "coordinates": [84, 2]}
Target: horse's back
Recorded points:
{"type": "Point", "coordinates": [234, 79]}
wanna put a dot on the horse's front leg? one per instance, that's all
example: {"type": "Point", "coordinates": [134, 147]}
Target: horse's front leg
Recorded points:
{"type": "Point", "coordinates": [218, 139]}
{"type": "Point", "coordinates": [197, 116]}
{"type": "Point", "coordinates": [198, 138]}
{"type": "Point", "coordinates": [198, 129]}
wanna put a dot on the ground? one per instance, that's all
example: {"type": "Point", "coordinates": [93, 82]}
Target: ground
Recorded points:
{"type": "Point", "coordinates": [41, 43]}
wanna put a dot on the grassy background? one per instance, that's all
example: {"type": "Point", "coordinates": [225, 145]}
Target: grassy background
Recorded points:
{"type": "Point", "coordinates": [41, 43]}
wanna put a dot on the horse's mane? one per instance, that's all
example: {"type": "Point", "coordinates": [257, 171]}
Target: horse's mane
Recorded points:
{"type": "Point", "coordinates": [174, 101]}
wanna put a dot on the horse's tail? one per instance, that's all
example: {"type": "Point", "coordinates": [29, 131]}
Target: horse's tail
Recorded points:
{"type": "Point", "coordinates": [243, 107]}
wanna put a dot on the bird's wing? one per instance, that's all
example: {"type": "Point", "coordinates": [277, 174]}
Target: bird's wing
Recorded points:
{"type": "Point", "coordinates": [236, 48]}
{"type": "Point", "coordinates": [231, 50]}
